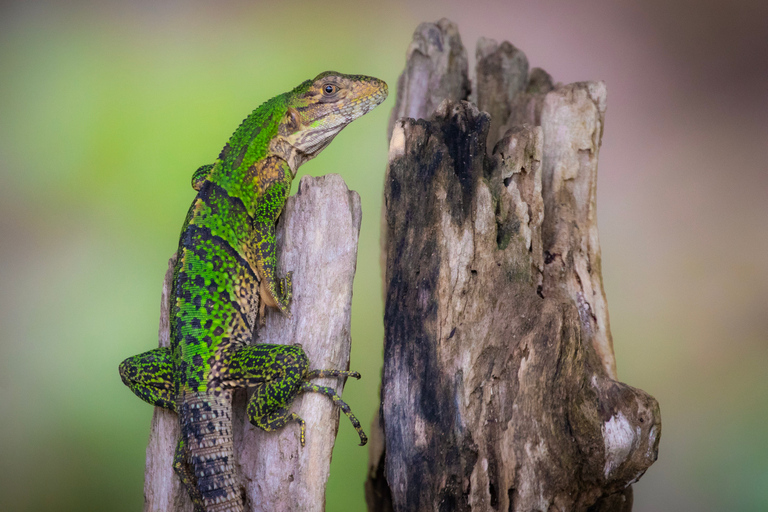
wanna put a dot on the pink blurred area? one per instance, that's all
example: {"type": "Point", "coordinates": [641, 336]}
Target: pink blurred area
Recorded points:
{"type": "Point", "coordinates": [682, 193]}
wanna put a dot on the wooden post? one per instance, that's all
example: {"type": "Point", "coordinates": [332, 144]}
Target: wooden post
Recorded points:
{"type": "Point", "coordinates": [317, 239]}
{"type": "Point", "coordinates": [499, 388]}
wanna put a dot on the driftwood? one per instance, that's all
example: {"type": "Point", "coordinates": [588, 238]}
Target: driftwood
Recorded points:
{"type": "Point", "coordinates": [499, 387]}
{"type": "Point", "coordinates": [317, 239]}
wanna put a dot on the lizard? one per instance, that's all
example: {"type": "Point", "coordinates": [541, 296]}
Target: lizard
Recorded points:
{"type": "Point", "coordinates": [225, 277]}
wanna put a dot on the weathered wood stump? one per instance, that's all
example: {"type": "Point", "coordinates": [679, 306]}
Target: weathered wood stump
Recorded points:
{"type": "Point", "coordinates": [317, 239]}
{"type": "Point", "coordinates": [499, 388]}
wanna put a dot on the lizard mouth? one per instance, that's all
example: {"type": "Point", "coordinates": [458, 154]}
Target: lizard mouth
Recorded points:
{"type": "Point", "coordinates": [377, 92]}
{"type": "Point", "coordinates": [381, 93]}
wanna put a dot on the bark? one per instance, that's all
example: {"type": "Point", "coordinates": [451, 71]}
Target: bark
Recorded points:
{"type": "Point", "coordinates": [499, 387]}
{"type": "Point", "coordinates": [435, 70]}
{"type": "Point", "coordinates": [317, 239]}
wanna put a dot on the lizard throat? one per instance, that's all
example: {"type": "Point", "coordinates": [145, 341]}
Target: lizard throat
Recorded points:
{"type": "Point", "coordinates": [298, 150]}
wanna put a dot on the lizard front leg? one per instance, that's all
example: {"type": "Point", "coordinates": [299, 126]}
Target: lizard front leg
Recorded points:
{"type": "Point", "coordinates": [274, 291]}
{"type": "Point", "coordinates": [273, 177]}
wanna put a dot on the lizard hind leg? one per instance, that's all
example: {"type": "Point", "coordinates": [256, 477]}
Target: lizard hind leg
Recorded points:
{"type": "Point", "coordinates": [269, 404]}
{"type": "Point", "coordinates": [276, 372]}
{"type": "Point", "coordinates": [150, 376]}
{"type": "Point", "coordinates": [316, 374]}
{"type": "Point", "coordinates": [331, 393]}
{"type": "Point", "coordinates": [276, 419]}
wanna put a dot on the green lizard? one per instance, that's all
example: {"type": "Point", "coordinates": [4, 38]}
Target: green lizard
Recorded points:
{"type": "Point", "coordinates": [225, 277]}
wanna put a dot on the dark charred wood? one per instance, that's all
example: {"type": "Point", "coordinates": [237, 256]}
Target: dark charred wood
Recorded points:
{"type": "Point", "coordinates": [499, 387]}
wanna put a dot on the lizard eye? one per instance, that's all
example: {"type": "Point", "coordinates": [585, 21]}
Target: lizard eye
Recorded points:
{"type": "Point", "coordinates": [330, 89]}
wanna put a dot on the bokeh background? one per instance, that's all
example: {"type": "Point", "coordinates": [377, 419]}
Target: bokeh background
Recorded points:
{"type": "Point", "coordinates": [107, 107]}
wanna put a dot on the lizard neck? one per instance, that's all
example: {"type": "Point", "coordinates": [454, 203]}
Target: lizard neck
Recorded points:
{"type": "Point", "coordinates": [282, 148]}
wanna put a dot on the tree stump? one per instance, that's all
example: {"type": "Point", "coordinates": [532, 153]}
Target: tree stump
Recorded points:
{"type": "Point", "coordinates": [499, 387]}
{"type": "Point", "coordinates": [317, 237]}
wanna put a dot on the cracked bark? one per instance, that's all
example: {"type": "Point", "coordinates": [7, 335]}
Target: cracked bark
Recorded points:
{"type": "Point", "coordinates": [499, 389]}
{"type": "Point", "coordinates": [317, 237]}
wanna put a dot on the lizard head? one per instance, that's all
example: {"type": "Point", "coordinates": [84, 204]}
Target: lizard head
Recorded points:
{"type": "Point", "coordinates": [319, 109]}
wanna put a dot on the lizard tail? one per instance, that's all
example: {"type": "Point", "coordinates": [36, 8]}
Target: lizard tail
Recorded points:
{"type": "Point", "coordinates": [206, 428]}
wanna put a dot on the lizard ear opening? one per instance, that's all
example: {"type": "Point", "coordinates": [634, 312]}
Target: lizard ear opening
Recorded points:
{"type": "Point", "coordinates": [292, 122]}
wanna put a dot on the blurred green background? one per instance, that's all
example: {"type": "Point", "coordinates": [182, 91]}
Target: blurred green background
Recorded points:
{"type": "Point", "coordinates": [106, 108]}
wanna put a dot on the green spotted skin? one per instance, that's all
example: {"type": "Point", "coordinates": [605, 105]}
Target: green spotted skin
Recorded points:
{"type": "Point", "coordinates": [226, 276]}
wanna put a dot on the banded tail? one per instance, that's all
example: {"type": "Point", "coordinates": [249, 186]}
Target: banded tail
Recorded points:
{"type": "Point", "coordinates": [205, 458]}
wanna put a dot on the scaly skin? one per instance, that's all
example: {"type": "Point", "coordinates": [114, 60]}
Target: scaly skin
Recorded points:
{"type": "Point", "coordinates": [226, 276]}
